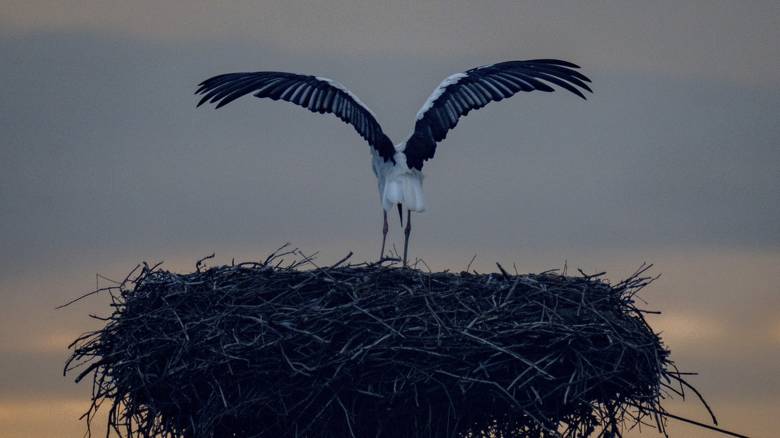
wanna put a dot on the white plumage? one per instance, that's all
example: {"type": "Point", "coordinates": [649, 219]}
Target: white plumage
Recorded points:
{"type": "Point", "coordinates": [452, 79]}
{"type": "Point", "coordinates": [338, 85]}
{"type": "Point", "coordinates": [397, 183]}
{"type": "Point", "coordinates": [398, 168]}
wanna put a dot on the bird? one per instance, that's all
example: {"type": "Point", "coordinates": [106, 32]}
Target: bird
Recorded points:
{"type": "Point", "coordinates": [398, 167]}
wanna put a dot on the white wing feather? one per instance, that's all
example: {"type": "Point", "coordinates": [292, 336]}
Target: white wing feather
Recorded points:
{"type": "Point", "coordinates": [452, 79]}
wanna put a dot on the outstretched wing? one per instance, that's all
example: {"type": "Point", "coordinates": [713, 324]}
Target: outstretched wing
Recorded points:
{"type": "Point", "coordinates": [473, 89]}
{"type": "Point", "coordinates": [320, 95]}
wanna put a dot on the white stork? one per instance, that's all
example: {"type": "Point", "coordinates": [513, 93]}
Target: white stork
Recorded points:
{"type": "Point", "coordinates": [399, 168]}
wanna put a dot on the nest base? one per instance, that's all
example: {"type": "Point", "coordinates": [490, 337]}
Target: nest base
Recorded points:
{"type": "Point", "coordinates": [274, 350]}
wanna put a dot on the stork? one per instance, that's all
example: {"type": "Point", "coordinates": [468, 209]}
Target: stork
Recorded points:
{"type": "Point", "coordinates": [398, 168]}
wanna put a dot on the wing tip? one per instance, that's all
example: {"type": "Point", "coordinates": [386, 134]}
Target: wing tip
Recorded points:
{"type": "Point", "coordinates": [202, 101]}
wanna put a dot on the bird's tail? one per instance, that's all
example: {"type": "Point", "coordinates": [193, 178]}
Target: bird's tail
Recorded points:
{"type": "Point", "coordinates": [406, 190]}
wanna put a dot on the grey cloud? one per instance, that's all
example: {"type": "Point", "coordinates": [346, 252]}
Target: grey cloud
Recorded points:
{"type": "Point", "coordinates": [105, 149]}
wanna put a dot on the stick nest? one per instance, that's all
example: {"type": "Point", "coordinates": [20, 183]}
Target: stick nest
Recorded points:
{"type": "Point", "coordinates": [370, 350]}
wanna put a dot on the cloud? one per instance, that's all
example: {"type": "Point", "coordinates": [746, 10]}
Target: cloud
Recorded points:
{"type": "Point", "coordinates": [44, 416]}
{"type": "Point", "coordinates": [750, 416]}
{"type": "Point", "coordinates": [54, 341]}
{"type": "Point", "coordinates": [774, 331]}
{"type": "Point", "coordinates": [684, 330]}
{"type": "Point", "coordinates": [126, 161]}
{"type": "Point", "coordinates": [701, 39]}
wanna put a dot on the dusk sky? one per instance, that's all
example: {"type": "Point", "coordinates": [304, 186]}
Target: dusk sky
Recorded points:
{"type": "Point", "coordinates": [673, 160]}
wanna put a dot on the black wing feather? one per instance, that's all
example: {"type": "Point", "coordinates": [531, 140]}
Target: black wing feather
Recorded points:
{"type": "Point", "coordinates": [479, 86]}
{"type": "Point", "coordinates": [318, 95]}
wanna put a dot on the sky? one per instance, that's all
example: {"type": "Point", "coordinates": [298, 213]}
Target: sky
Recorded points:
{"type": "Point", "coordinates": [674, 160]}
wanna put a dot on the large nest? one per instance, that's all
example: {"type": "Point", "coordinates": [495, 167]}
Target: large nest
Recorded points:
{"type": "Point", "coordinates": [272, 350]}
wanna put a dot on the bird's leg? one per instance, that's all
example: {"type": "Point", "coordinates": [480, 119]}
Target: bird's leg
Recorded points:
{"type": "Point", "coordinates": [384, 235]}
{"type": "Point", "coordinates": [407, 232]}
